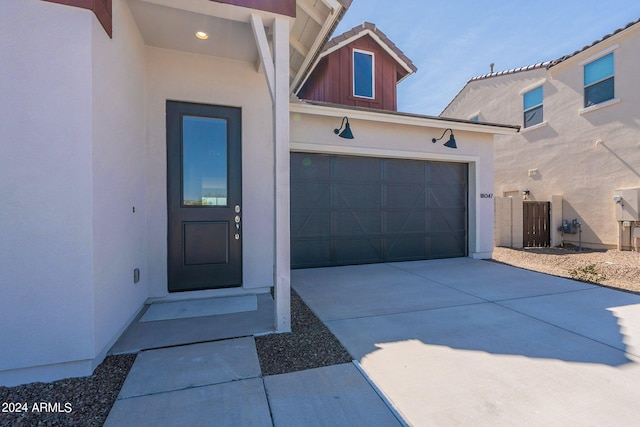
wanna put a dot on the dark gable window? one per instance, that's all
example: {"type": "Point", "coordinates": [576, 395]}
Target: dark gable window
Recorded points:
{"type": "Point", "coordinates": [598, 81]}
{"type": "Point", "coordinates": [533, 107]}
{"type": "Point", "coordinates": [363, 74]}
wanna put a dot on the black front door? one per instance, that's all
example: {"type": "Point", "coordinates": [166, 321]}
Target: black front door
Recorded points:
{"type": "Point", "coordinates": [204, 191]}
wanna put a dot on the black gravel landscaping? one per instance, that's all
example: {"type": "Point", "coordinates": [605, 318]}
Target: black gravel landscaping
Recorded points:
{"type": "Point", "coordinates": [82, 402]}
{"type": "Point", "coordinates": [309, 345]}
{"type": "Point", "coordinates": [86, 402]}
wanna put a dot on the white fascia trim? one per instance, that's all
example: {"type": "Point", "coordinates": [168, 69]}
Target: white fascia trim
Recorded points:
{"type": "Point", "coordinates": [533, 86]}
{"type": "Point", "coordinates": [377, 39]}
{"type": "Point", "coordinates": [305, 147]}
{"type": "Point", "coordinates": [376, 116]}
{"type": "Point", "coordinates": [599, 54]}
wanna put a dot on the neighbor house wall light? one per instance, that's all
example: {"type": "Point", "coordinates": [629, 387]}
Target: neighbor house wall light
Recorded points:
{"type": "Point", "coordinates": [451, 143]}
{"type": "Point", "coordinates": [346, 133]}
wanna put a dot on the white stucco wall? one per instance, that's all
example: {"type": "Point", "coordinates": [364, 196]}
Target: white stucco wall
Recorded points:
{"type": "Point", "coordinates": [375, 137]}
{"type": "Point", "coordinates": [46, 268]}
{"type": "Point", "coordinates": [203, 79]}
{"type": "Point", "coordinates": [119, 156]}
{"type": "Point", "coordinates": [75, 167]}
{"type": "Point", "coordinates": [564, 150]}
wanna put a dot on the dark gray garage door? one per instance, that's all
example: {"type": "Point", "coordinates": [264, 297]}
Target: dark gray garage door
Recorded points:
{"type": "Point", "coordinates": [357, 210]}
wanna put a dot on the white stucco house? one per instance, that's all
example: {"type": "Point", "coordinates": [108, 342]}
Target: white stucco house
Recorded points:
{"type": "Point", "coordinates": [156, 150]}
{"type": "Point", "coordinates": [580, 138]}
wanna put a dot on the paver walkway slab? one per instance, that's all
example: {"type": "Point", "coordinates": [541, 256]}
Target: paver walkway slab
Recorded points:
{"type": "Point", "coordinates": [175, 368]}
{"type": "Point", "coordinates": [239, 403]}
{"type": "Point", "coordinates": [332, 396]}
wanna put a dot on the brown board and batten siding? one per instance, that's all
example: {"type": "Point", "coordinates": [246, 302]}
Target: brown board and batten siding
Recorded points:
{"type": "Point", "coordinates": [332, 79]}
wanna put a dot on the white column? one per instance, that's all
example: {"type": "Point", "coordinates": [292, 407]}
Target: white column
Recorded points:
{"type": "Point", "coordinates": [276, 69]}
{"type": "Point", "coordinates": [282, 267]}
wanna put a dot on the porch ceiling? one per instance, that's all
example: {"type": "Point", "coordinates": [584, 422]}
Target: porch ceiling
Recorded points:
{"type": "Point", "coordinates": [172, 24]}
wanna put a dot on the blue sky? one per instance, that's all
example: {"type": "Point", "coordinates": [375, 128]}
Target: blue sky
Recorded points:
{"type": "Point", "coordinates": [451, 41]}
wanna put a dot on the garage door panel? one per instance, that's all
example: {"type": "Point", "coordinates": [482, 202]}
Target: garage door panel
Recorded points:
{"type": "Point", "coordinates": [310, 224]}
{"type": "Point", "coordinates": [311, 194]}
{"type": "Point", "coordinates": [447, 173]}
{"type": "Point", "coordinates": [404, 171]}
{"type": "Point", "coordinates": [355, 210]}
{"type": "Point", "coordinates": [311, 167]}
{"type": "Point", "coordinates": [404, 196]}
{"type": "Point", "coordinates": [356, 169]}
{"type": "Point", "coordinates": [358, 251]}
{"type": "Point", "coordinates": [406, 248]}
{"type": "Point", "coordinates": [447, 197]}
{"type": "Point", "coordinates": [311, 253]}
{"type": "Point", "coordinates": [407, 222]}
{"type": "Point", "coordinates": [358, 223]}
{"type": "Point", "coordinates": [447, 246]}
{"type": "Point", "coordinates": [361, 196]}
{"type": "Point", "coordinates": [445, 221]}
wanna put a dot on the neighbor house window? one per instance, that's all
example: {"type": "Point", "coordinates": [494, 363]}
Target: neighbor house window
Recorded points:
{"type": "Point", "coordinates": [598, 81]}
{"type": "Point", "coordinates": [533, 107]}
{"type": "Point", "coordinates": [475, 118]}
{"type": "Point", "coordinates": [363, 78]}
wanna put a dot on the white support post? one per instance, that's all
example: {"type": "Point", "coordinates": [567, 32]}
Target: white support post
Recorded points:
{"type": "Point", "coordinates": [264, 52]}
{"type": "Point", "coordinates": [282, 264]}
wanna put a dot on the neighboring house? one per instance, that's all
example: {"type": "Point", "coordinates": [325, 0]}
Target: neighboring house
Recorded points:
{"type": "Point", "coordinates": [143, 161]}
{"type": "Point", "coordinates": [579, 138]}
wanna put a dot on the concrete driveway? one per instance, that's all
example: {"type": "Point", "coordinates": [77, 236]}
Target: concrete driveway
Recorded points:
{"type": "Point", "coordinates": [470, 342]}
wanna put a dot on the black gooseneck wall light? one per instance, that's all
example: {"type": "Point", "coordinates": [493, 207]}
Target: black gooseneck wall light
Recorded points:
{"type": "Point", "coordinates": [346, 133]}
{"type": "Point", "coordinates": [451, 143]}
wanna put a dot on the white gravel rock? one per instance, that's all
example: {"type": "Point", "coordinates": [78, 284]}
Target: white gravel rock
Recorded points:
{"type": "Point", "coordinates": [621, 269]}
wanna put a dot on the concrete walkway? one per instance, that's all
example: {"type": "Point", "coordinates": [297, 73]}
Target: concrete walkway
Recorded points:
{"type": "Point", "coordinates": [446, 342]}
{"type": "Point", "coordinates": [468, 342]}
{"type": "Point", "coordinates": [219, 384]}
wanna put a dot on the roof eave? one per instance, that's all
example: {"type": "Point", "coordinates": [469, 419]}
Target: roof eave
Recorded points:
{"type": "Point", "coordinates": [339, 8]}
{"type": "Point", "coordinates": [608, 37]}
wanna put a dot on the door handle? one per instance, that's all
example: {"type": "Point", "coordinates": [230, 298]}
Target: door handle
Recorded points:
{"type": "Point", "coordinates": [237, 221]}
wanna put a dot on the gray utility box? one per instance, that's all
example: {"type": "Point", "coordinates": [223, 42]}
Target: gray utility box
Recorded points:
{"type": "Point", "coordinates": [627, 209]}
{"type": "Point", "coordinates": [568, 227]}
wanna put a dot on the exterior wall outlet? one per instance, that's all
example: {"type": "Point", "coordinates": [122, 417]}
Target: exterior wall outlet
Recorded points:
{"type": "Point", "coordinates": [136, 275]}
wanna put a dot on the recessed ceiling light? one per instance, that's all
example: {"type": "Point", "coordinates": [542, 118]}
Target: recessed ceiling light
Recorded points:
{"type": "Point", "coordinates": [202, 35]}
